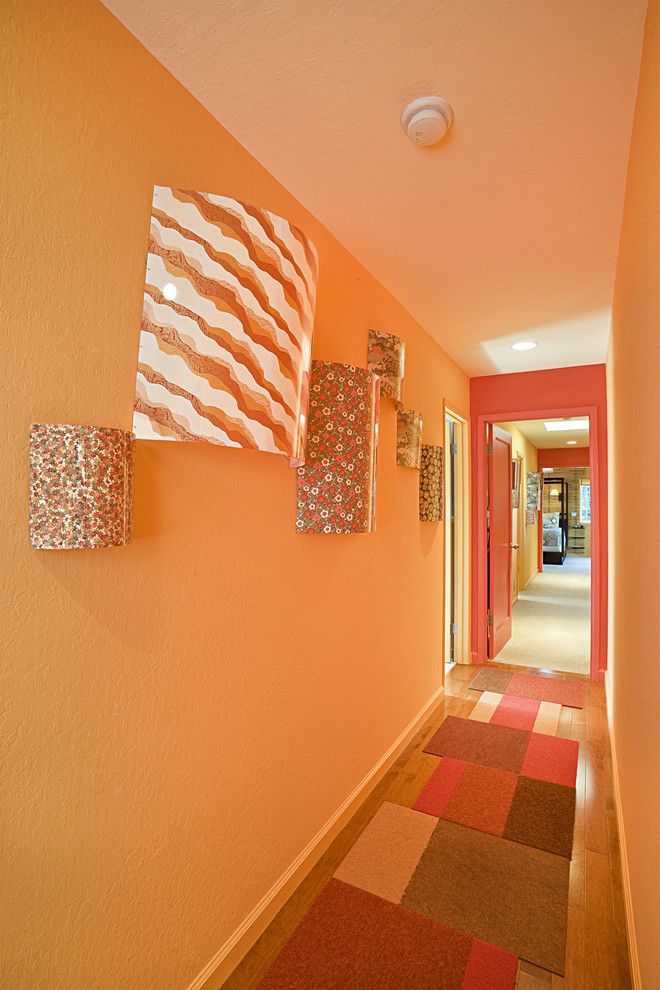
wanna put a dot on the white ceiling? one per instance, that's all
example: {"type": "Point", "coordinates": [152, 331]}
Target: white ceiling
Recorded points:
{"type": "Point", "coordinates": [507, 230]}
{"type": "Point", "coordinates": [536, 433]}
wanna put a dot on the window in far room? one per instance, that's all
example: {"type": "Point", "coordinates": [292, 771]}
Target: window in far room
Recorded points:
{"type": "Point", "coordinates": [585, 502]}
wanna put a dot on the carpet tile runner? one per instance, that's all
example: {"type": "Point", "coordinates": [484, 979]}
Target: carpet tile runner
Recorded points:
{"type": "Point", "coordinates": [518, 751]}
{"type": "Point", "coordinates": [499, 891]}
{"type": "Point", "coordinates": [558, 690]}
{"type": "Point", "coordinates": [534, 812]}
{"type": "Point", "coordinates": [517, 713]}
{"type": "Point", "coordinates": [350, 939]}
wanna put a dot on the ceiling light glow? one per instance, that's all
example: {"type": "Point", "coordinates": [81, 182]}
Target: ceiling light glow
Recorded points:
{"type": "Point", "coordinates": [547, 469]}
{"type": "Point", "coordinates": [169, 290]}
{"type": "Point", "coordinates": [570, 443]}
{"type": "Point", "coordinates": [566, 425]}
{"type": "Point", "coordinates": [524, 345]}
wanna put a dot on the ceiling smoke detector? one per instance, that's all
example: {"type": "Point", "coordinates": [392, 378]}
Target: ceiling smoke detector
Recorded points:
{"type": "Point", "coordinates": [427, 120]}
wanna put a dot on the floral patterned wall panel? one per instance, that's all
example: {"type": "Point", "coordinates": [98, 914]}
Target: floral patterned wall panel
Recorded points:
{"type": "Point", "coordinates": [431, 489]}
{"type": "Point", "coordinates": [227, 319]}
{"type": "Point", "coordinates": [408, 438]}
{"type": "Point", "coordinates": [385, 357]}
{"type": "Point", "coordinates": [533, 500]}
{"type": "Point", "coordinates": [81, 486]}
{"type": "Point", "coordinates": [337, 484]}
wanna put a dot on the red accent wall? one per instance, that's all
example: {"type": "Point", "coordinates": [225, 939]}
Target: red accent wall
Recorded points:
{"type": "Point", "coordinates": [577, 391]}
{"type": "Point", "coordinates": [560, 457]}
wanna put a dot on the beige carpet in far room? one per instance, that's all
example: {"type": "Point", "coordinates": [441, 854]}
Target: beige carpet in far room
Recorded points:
{"type": "Point", "coordinates": [552, 619]}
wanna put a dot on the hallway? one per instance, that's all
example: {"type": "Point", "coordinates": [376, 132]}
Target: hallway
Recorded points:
{"type": "Point", "coordinates": [551, 621]}
{"type": "Point", "coordinates": [597, 950]}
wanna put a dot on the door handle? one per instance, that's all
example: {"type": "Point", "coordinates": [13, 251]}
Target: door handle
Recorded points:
{"type": "Point", "coordinates": [515, 546]}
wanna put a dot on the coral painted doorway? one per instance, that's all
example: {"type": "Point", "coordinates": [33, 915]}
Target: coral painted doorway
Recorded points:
{"type": "Point", "coordinates": [558, 392]}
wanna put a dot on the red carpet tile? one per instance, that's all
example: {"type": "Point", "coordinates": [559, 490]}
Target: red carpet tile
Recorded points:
{"type": "Point", "coordinates": [538, 687]}
{"type": "Point", "coordinates": [530, 753]}
{"type": "Point", "coordinates": [516, 713]}
{"type": "Point", "coordinates": [536, 813]}
{"type": "Point", "coordinates": [557, 689]}
{"type": "Point", "coordinates": [468, 794]}
{"type": "Point", "coordinates": [353, 940]}
{"type": "Point", "coordinates": [551, 758]}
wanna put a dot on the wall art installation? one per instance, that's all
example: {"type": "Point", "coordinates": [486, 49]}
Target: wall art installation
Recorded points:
{"type": "Point", "coordinates": [408, 438]}
{"type": "Point", "coordinates": [533, 496]}
{"type": "Point", "coordinates": [227, 319]}
{"type": "Point", "coordinates": [431, 494]}
{"type": "Point", "coordinates": [337, 484]}
{"type": "Point", "coordinates": [385, 357]}
{"type": "Point", "coordinates": [81, 487]}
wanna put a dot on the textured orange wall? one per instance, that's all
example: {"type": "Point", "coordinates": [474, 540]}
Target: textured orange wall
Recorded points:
{"type": "Point", "coordinates": [188, 711]}
{"type": "Point", "coordinates": [633, 679]}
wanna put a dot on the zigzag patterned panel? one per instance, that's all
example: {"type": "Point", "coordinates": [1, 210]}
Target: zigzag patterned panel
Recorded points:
{"type": "Point", "coordinates": [227, 320]}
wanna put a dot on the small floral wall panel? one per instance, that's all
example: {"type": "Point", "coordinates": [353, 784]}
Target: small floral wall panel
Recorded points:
{"type": "Point", "coordinates": [431, 490]}
{"type": "Point", "coordinates": [385, 357]}
{"type": "Point", "coordinates": [226, 333]}
{"type": "Point", "coordinates": [337, 483]}
{"type": "Point", "coordinates": [408, 438]}
{"type": "Point", "coordinates": [533, 495]}
{"type": "Point", "coordinates": [81, 486]}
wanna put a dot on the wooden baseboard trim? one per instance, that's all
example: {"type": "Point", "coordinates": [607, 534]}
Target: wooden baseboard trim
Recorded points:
{"type": "Point", "coordinates": [227, 958]}
{"type": "Point", "coordinates": [625, 872]}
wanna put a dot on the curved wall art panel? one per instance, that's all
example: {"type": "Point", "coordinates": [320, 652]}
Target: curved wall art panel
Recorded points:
{"type": "Point", "coordinates": [431, 495]}
{"type": "Point", "coordinates": [227, 320]}
{"type": "Point", "coordinates": [386, 358]}
{"type": "Point", "coordinates": [337, 483]}
{"type": "Point", "coordinates": [408, 437]}
{"type": "Point", "coordinates": [81, 487]}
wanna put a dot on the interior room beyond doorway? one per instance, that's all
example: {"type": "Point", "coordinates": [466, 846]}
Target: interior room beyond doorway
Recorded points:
{"type": "Point", "coordinates": [550, 546]}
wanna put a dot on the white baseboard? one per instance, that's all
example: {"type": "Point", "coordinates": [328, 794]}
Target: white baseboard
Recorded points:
{"type": "Point", "coordinates": [625, 872]}
{"type": "Point", "coordinates": [241, 941]}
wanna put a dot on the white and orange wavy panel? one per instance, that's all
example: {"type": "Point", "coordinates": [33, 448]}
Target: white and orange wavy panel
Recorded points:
{"type": "Point", "coordinates": [227, 321]}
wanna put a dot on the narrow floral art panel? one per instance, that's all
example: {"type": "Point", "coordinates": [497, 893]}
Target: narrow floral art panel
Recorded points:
{"type": "Point", "coordinates": [385, 357]}
{"type": "Point", "coordinates": [408, 438]}
{"type": "Point", "coordinates": [431, 493]}
{"type": "Point", "coordinates": [227, 320]}
{"type": "Point", "coordinates": [81, 486]}
{"type": "Point", "coordinates": [337, 483]}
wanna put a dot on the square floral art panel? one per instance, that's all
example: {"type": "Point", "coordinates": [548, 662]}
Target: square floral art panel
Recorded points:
{"type": "Point", "coordinates": [431, 489]}
{"type": "Point", "coordinates": [408, 438]}
{"type": "Point", "coordinates": [385, 357]}
{"type": "Point", "coordinates": [337, 483]}
{"type": "Point", "coordinates": [81, 486]}
{"type": "Point", "coordinates": [227, 319]}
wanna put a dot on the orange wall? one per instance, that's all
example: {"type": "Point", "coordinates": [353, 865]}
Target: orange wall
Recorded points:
{"type": "Point", "coordinates": [633, 681]}
{"type": "Point", "coordinates": [188, 711]}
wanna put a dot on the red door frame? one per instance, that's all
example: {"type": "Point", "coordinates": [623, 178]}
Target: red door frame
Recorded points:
{"type": "Point", "coordinates": [502, 398]}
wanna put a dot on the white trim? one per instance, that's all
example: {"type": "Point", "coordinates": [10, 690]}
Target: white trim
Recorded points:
{"type": "Point", "coordinates": [625, 872]}
{"type": "Point", "coordinates": [243, 938]}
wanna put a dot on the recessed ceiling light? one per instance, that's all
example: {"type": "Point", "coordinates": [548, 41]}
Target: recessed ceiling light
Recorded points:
{"type": "Point", "coordinates": [571, 442]}
{"type": "Point", "coordinates": [169, 290]}
{"type": "Point", "coordinates": [524, 345]}
{"type": "Point", "coordinates": [557, 426]}
{"type": "Point", "coordinates": [547, 469]}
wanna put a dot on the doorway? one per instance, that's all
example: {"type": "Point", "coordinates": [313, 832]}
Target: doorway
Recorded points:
{"type": "Point", "coordinates": [539, 543]}
{"type": "Point", "coordinates": [457, 553]}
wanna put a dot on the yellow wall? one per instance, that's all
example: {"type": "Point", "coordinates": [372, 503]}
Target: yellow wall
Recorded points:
{"type": "Point", "coordinates": [524, 448]}
{"type": "Point", "coordinates": [188, 711]}
{"type": "Point", "coordinates": [633, 677]}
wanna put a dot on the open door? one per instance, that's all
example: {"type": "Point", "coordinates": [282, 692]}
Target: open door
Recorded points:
{"type": "Point", "coordinates": [499, 539]}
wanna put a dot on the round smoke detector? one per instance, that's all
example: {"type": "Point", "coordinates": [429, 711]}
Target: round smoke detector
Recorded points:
{"type": "Point", "coordinates": [427, 120]}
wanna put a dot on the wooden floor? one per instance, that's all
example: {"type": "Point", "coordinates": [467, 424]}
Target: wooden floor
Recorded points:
{"type": "Point", "coordinates": [597, 953]}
